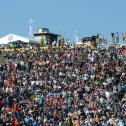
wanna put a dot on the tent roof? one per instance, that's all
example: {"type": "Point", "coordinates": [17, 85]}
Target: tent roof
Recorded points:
{"type": "Point", "coordinates": [79, 43]}
{"type": "Point", "coordinates": [11, 38]}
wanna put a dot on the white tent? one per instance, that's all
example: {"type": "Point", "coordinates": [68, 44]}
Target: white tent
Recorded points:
{"type": "Point", "coordinates": [79, 43]}
{"type": "Point", "coordinates": [12, 38]}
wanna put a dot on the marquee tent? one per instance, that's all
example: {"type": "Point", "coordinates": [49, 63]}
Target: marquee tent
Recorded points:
{"type": "Point", "coordinates": [79, 43]}
{"type": "Point", "coordinates": [13, 38]}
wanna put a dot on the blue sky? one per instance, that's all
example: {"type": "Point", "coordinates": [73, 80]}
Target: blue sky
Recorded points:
{"type": "Point", "coordinates": [88, 17]}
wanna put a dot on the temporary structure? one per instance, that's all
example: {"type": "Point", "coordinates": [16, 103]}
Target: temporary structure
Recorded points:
{"type": "Point", "coordinates": [13, 38]}
{"type": "Point", "coordinates": [79, 43]}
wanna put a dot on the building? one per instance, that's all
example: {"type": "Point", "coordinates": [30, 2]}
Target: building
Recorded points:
{"type": "Point", "coordinates": [94, 40]}
{"type": "Point", "coordinates": [46, 38]}
{"type": "Point", "coordinates": [89, 40]}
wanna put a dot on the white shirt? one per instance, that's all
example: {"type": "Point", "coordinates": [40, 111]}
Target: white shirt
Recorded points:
{"type": "Point", "coordinates": [120, 123]}
{"type": "Point", "coordinates": [107, 94]}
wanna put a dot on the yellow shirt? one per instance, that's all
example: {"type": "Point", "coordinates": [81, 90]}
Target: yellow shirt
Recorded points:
{"type": "Point", "coordinates": [76, 123]}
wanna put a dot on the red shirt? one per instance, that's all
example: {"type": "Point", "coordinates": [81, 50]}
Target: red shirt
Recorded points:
{"type": "Point", "coordinates": [14, 69]}
{"type": "Point", "coordinates": [9, 110]}
{"type": "Point", "coordinates": [10, 81]}
{"type": "Point", "coordinates": [16, 108]}
{"type": "Point", "coordinates": [15, 122]}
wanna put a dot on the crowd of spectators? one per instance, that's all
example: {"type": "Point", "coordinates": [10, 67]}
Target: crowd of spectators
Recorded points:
{"type": "Point", "coordinates": [62, 87]}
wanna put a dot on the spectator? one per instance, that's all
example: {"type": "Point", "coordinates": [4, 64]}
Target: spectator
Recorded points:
{"type": "Point", "coordinates": [62, 87]}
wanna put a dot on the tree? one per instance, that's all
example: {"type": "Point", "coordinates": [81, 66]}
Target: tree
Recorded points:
{"type": "Point", "coordinates": [42, 41]}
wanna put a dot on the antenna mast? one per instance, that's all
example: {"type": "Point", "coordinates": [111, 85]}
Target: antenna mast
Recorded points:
{"type": "Point", "coordinates": [30, 28]}
{"type": "Point", "coordinates": [76, 35]}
